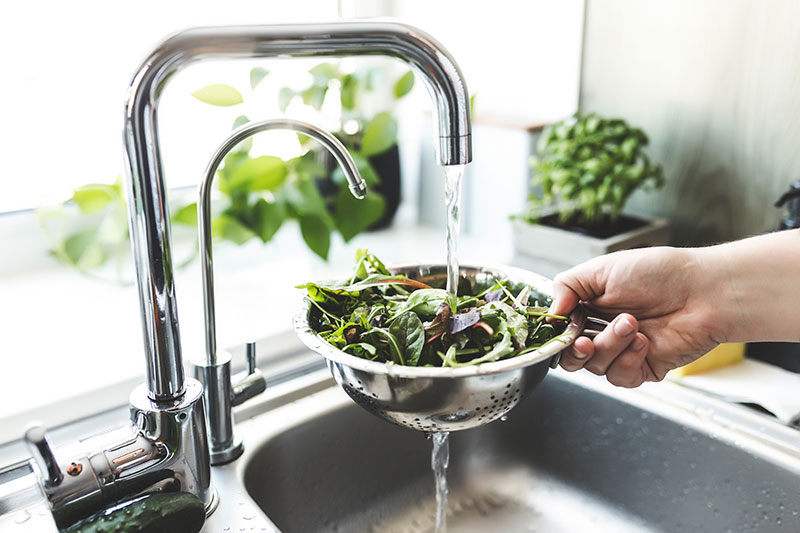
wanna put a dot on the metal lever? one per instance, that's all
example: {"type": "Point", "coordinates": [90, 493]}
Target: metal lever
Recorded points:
{"type": "Point", "coordinates": [43, 456]}
{"type": "Point", "coordinates": [222, 392]}
{"type": "Point", "coordinates": [250, 357]}
{"type": "Point", "coordinates": [250, 383]}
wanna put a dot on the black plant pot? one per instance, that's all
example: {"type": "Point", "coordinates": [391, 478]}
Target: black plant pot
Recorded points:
{"type": "Point", "coordinates": [387, 166]}
{"type": "Point", "coordinates": [602, 229]}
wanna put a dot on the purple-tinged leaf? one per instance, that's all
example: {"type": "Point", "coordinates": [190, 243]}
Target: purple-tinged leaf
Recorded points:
{"type": "Point", "coordinates": [467, 319]}
{"type": "Point", "coordinates": [494, 296]}
{"type": "Point", "coordinates": [439, 323]}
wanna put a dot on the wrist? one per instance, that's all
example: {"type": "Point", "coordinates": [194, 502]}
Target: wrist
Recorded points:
{"type": "Point", "coordinates": [752, 287]}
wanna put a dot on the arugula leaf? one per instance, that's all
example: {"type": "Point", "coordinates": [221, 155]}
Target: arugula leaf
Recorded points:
{"type": "Point", "coordinates": [500, 350]}
{"type": "Point", "coordinates": [367, 264]}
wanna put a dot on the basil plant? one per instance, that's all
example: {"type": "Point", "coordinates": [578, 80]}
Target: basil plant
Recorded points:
{"type": "Point", "coordinates": [588, 167]}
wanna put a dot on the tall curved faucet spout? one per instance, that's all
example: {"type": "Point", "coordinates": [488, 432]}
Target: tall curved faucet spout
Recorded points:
{"type": "Point", "coordinates": [149, 215]}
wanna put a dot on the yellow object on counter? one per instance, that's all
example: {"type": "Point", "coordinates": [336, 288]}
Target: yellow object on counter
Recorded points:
{"type": "Point", "coordinates": [722, 355]}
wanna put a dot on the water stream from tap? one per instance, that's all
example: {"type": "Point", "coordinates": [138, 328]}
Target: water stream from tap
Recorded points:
{"type": "Point", "coordinates": [440, 458]}
{"type": "Point", "coordinates": [452, 198]}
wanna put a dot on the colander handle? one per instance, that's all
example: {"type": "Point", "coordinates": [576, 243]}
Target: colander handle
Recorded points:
{"type": "Point", "coordinates": [593, 326]}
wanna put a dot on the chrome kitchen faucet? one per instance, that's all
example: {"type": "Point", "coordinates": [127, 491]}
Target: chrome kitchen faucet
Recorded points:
{"type": "Point", "coordinates": [165, 445]}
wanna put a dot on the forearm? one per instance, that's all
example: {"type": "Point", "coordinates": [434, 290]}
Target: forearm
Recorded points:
{"type": "Point", "coordinates": [755, 286]}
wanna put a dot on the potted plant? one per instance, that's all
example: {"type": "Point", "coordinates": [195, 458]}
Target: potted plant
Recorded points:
{"type": "Point", "coordinates": [259, 193]}
{"type": "Point", "coordinates": [364, 98]}
{"type": "Point", "coordinates": [587, 168]}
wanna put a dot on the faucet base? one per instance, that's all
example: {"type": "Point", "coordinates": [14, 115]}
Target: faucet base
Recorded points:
{"type": "Point", "coordinates": [212, 504]}
{"type": "Point", "coordinates": [178, 429]}
{"type": "Point", "coordinates": [223, 457]}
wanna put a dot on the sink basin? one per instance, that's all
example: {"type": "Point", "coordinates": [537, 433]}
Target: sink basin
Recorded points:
{"type": "Point", "coordinates": [578, 455]}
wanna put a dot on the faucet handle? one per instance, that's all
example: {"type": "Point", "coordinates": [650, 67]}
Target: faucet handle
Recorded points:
{"type": "Point", "coordinates": [43, 456]}
{"type": "Point", "coordinates": [249, 383]}
{"type": "Point", "coordinates": [250, 357]}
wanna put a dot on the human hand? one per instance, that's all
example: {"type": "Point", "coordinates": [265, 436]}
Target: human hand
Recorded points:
{"type": "Point", "coordinates": [659, 308]}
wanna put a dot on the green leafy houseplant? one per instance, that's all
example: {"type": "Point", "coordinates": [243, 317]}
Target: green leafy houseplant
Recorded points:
{"type": "Point", "coordinates": [258, 193]}
{"type": "Point", "coordinates": [371, 137]}
{"type": "Point", "coordinates": [588, 167]}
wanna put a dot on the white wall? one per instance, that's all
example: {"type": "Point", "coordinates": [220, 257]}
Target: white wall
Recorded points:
{"type": "Point", "coordinates": [521, 60]}
{"type": "Point", "coordinates": [716, 86]}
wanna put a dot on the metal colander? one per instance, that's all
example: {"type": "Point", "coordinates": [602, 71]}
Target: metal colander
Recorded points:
{"type": "Point", "coordinates": [445, 399]}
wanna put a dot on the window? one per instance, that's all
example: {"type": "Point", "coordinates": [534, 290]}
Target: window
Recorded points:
{"type": "Point", "coordinates": [67, 67]}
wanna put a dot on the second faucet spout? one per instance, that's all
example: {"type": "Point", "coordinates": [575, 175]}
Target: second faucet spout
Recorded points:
{"type": "Point", "coordinates": [215, 372]}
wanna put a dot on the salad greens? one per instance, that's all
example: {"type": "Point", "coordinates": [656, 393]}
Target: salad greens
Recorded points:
{"type": "Point", "coordinates": [388, 318]}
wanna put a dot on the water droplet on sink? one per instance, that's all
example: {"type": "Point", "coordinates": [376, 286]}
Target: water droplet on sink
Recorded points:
{"type": "Point", "coordinates": [23, 517]}
{"type": "Point", "coordinates": [504, 418]}
{"type": "Point", "coordinates": [250, 517]}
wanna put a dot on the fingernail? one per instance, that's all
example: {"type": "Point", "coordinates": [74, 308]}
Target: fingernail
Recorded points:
{"type": "Point", "coordinates": [624, 327]}
{"type": "Point", "coordinates": [638, 344]}
{"type": "Point", "coordinates": [578, 354]}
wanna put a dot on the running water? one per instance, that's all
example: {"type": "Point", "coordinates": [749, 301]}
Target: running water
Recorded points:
{"type": "Point", "coordinates": [440, 458]}
{"type": "Point", "coordinates": [441, 443]}
{"type": "Point", "coordinates": [452, 197]}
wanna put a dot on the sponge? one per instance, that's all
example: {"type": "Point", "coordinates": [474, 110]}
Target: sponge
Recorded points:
{"type": "Point", "coordinates": [722, 355]}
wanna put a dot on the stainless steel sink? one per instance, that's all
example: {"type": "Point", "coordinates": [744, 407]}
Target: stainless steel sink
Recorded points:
{"type": "Point", "coordinates": [578, 455]}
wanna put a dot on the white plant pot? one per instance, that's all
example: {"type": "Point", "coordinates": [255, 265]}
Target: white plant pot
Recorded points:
{"type": "Point", "coordinates": [548, 250]}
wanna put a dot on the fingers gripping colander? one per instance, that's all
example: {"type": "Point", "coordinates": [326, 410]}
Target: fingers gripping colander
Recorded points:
{"type": "Point", "coordinates": [444, 399]}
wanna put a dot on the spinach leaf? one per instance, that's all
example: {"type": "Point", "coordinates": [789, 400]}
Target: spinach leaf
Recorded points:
{"type": "Point", "coordinates": [425, 302]}
{"type": "Point", "coordinates": [407, 329]}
